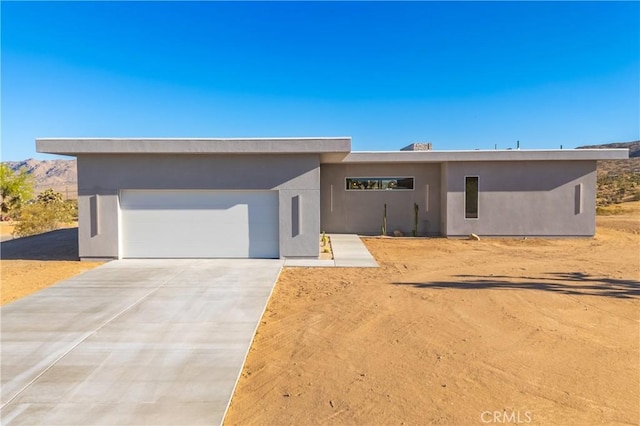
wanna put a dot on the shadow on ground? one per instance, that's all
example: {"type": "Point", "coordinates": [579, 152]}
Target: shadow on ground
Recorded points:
{"type": "Point", "coordinates": [55, 245]}
{"type": "Point", "coordinates": [573, 283]}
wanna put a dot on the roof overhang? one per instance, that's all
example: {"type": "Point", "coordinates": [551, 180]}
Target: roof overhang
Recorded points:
{"type": "Point", "coordinates": [338, 146]}
{"type": "Point", "coordinates": [485, 155]}
{"type": "Point", "coordinates": [332, 150]}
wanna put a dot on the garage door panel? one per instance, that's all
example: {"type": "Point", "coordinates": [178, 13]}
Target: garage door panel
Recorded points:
{"type": "Point", "coordinates": [199, 223]}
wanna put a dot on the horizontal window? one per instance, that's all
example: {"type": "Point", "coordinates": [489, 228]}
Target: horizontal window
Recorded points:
{"type": "Point", "coordinates": [379, 183]}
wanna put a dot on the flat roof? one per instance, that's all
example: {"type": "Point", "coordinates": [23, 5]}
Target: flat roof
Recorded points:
{"type": "Point", "coordinates": [75, 146]}
{"type": "Point", "coordinates": [331, 149]}
{"type": "Point", "coordinates": [485, 155]}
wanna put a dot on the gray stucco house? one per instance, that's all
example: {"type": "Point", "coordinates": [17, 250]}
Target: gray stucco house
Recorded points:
{"type": "Point", "coordinates": [270, 198]}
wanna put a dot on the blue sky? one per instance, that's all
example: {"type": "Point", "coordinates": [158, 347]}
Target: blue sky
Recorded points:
{"type": "Point", "coordinates": [462, 75]}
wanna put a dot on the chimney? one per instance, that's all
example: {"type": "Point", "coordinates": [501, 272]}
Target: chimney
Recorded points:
{"type": "Point", "coordinates": [418, 146]}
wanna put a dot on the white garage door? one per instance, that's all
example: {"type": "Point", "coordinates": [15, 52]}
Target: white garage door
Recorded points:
{"type": "Point", "coordinates": [195, 224]}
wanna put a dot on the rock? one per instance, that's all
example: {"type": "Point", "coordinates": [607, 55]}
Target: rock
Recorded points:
{"type": "Point", "coordinates": [398, 233]}
{"type": "Point", "coordinates": [474, 237]}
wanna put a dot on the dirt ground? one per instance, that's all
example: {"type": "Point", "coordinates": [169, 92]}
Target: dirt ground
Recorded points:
{"type": "Point", "coordinates": [538, 331]}
{"type": "Point", "coordinates": [21, 277]}
{"type": "Point", "coordinates": [6, 228]}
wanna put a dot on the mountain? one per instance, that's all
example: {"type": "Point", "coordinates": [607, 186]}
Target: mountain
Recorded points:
{"type": "Point", "coordinates": [618, 180]}
{"type": "Point", "coordinates": [634, 147]}
{"type": "Point", "coordinates": [59, 175]}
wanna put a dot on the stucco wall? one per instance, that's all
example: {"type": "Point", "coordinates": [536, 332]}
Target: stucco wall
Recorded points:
{"type": "Point", "coordinates": [361, 212]}
{"type": "Point", "coordinates": [296, 177]}
{"type": "Point", "coordinates": [443, 197]}
{"type": "Point", "coordinates": [552, 198]}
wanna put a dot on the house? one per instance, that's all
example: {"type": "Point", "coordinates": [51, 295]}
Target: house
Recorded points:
{"type": "Point", "coordinates": [270, 198]}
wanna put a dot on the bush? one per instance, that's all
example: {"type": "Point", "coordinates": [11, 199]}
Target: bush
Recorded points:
{"type": "Point", "coordinates": [44, 215]}
{"type": "Point", "coordinates": [49, 196]}
{"type": "Point", "coordinates": [16, 188]}
{"type": "Point", "coordinates": [617, 186]}
{"type": "Point", "coordinates": [609, 210]}
{"type": "Point", "coordinates": [72, 205]}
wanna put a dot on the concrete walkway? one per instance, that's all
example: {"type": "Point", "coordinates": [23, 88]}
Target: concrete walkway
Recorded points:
{"type": "Point", "coordinates": [133, 342]}
{"type": "Point", "coordinates": [348, 252]}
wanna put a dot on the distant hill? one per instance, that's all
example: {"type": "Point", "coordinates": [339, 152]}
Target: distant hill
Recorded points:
{"type": "Point", "coordinates": [634, 147]}
{"type": "Point", "coordinates": [618, 180]}
{"type": "Point", "coordinates": [60, 175]}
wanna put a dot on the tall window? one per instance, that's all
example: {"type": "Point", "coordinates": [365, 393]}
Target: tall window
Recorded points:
{"type": "Point", "coordinates": [471, 197]}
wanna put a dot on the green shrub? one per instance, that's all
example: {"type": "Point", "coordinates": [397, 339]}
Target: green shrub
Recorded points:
{"type": "Point", "coordinates": [16, 188]}
{"type": "Point", "coordinates": [44, 215]}
{"type": "Point", "coordinates": [49, 196]}
{"type": "Point", "coordinates": [72, 205]}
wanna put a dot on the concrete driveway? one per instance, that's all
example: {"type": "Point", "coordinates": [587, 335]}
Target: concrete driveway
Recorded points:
{"type": "Point", "coordinates": [133, 342]}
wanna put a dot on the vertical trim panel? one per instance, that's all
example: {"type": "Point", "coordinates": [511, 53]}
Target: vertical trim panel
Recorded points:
{"type": "Point", "coordinates": [426, 198]}
{"type": "Point", "coordinates": [119, 209]}
{"type": "Point", "coordinates": [331, 199]}
{"type": "Point", "coordinates": [295, 216]}
{"type": "Point", "coordinates": [578, 199]}
{"type": "Point", "coordinates": [94, 208]}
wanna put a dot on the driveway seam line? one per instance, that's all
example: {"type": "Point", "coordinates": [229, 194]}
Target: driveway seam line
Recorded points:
{"type": "Point", "coordinates": [85, 337]}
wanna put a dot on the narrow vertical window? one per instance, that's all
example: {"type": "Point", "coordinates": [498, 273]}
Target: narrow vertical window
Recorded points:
{"type": "Point", "coordinates": [471, 197]}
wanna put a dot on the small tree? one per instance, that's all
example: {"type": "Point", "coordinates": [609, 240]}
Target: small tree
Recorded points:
{"type": "Point", "coordinates": [15, 189]}
{"type": "Point", "coordinates": [49, 196]}
{"type": "Point", "coordinates": [45, 215]}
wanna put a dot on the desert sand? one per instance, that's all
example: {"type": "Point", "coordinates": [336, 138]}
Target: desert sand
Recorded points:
{"type": "Point", "coordinates": [538, 331]}
{"type": "Point", "coordinates": [535, 331]}
{"type": "Point", "coordinates": [19, 278]}
{"type": "Point", "coordinates": [6, 229]}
